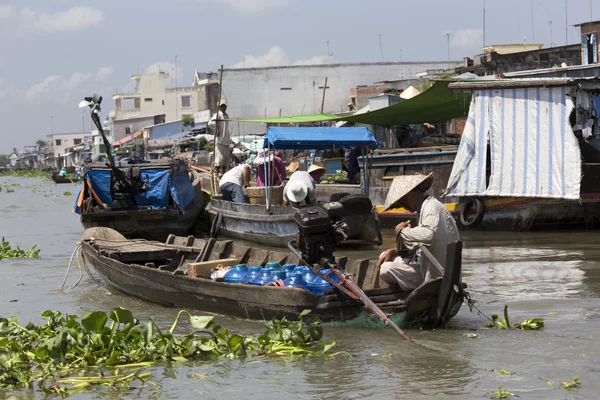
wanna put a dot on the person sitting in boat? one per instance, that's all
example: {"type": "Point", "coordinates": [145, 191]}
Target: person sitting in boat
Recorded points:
{"type": "Point", "coordinates": [63, 172]}
{"type": "Point", "coordinates": [276, 170]}
{"type": "Point", "coordinates": [222, 152]}
{"type": "Point", "coordinates": [403, 266]}
{"type": "Point", "coordinates": [301, 187]}
{"type": "Point", "coordinates": [233, 182]}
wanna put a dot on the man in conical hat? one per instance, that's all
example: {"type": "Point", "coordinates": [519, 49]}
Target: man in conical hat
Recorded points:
{"type": "Point", "coordinates": [436, 229]}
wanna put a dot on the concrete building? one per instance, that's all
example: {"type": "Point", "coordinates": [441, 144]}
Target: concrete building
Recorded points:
{"type": "Point", "coordinates": [296, 90]}
{"type": "Point", "coordinates": [501, 59]}
{"type": "Point", "coordinates": [151, 97]}
{"type": "Point", "coordinates": [61, 142]}
{"type": "Point", "coordinates": [590, 49]}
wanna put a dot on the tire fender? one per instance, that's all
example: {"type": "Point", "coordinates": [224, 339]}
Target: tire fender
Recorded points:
{"type": "Point", "coordinates": [479, 212]}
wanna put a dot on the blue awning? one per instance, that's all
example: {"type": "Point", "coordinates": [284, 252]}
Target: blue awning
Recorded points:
{"type": "Point", "coordinates": [305, 138]}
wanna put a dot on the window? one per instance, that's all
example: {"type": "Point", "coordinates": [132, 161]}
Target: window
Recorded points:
{"type": "Point", "coordinates": [76, 141]}
{"type": "Point", "coordinates": [58, 142]}
{"type": "Point", "coordinates": [148, 99]}
{"type": "Point", "coordinates": [286, 88]}
{"type": "Point", "coordinates": [185, 101]}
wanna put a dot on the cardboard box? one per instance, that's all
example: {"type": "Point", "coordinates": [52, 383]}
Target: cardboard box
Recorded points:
{"type": "Point", "coordinates": [203, 268]}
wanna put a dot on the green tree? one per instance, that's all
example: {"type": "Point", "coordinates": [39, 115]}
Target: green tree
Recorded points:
{"type": "Point", "coordinates": [4, 159]}
{"type": "Point", "coordinates": [187, 120]}
{"type": "Point", "coordinates": [40, 143]}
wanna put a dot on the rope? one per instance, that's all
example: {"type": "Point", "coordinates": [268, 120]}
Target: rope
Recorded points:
{"type": "Point", "coordinates": [471, 304]}
{"type": "Point", "coordinates": [69, 266]}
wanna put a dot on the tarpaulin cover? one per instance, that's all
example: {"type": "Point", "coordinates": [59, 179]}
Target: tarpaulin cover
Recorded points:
{"type": "Point", "coordinates": [438, 103]}
{"type": "Point", "coordinates": [182, 190]}
{"type": "Point", "coordinates": [534, 152]}
{"type": "Point", "coordinates": [318, 138]}
{"type": "Point", "coordinates": [160, 183]}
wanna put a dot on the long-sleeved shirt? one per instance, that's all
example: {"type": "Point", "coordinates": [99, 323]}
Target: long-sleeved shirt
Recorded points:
{"type": "Point", "coordinates": [223, 133]}
{"type": "Point", "coordinates": [436, 230]}
{"type": "Point", "coordinates": [276, 170]}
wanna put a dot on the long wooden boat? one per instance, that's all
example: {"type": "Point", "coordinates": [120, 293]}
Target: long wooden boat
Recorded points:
{"type": "Point", "coordinates": [254, 223]}
{"type": "Point", "coordinates": [63, 179]}
{"type": "Point", "coordinates": [165, 208]}
{"type": "Point", "coordinates": [159, 272]}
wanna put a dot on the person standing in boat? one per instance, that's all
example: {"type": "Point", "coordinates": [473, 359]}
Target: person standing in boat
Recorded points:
{"type": "Point", "coordinates": [233, 183]}
{"type": "Point", "coordinates": [436, 229]}
{"type": "Point", "coordinates": [301, 187]}
{"type": "Point", "coordinates": [222, 153]}
{"type": "Point", "coordinates": [276, 170]}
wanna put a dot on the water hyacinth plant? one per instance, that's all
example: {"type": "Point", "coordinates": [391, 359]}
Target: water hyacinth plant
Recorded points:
{"type": "Point", "coordinates": [6, 251]}
{"type": "Point", "coordinates": [62, 349]}
{"type": "Point", "coordinates": [503, 323]}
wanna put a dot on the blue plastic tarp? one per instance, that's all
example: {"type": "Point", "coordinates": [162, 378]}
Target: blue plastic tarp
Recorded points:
{"type": "Point", "coordinates": [182, 190]}
{"type": "Point", "coordinates": [160, 184]}
{"type": "Point", "coordinates": [318, 138]}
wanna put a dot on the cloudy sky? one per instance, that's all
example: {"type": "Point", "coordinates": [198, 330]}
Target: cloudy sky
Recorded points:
{"type": "Point", "coordinates": [52, 53]}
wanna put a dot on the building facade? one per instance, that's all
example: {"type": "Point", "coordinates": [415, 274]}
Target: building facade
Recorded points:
{"type": "Point", "coordinates": [590, 49]}
{"type": "Point", "coordinates": [61, 142]}
{"type": "Point", "coordinates": [151, 97]}
{"type": "Point", "coordinates": [296, 90]}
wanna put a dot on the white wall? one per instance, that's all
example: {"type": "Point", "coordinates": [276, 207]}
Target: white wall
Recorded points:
{"type": "Point", "coordinates": [256, 93]}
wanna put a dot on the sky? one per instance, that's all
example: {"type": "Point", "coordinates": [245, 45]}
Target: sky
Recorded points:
{"type": "Point", "coordinates": [53, 53]}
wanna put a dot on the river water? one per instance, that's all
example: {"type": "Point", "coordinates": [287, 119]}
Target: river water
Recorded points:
{"type": "Point", "coordinates": [555, 276]}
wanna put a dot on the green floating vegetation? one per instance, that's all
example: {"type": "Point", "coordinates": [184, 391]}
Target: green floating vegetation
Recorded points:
{"type": "Point", "coordinates": [64, 348]}
{"type": "Point", "coordinates": [6, 251]}
{"type": "Point", "coordinates": [503, 323]}
{"type": "Point", "coordinates": [67, 194]}
{"type": "Point", "coordinates": [28, 174]}
{"type": "Point", "coordinates": [500, 394]}
{"type": "Point", "coordinates": [574, 384]}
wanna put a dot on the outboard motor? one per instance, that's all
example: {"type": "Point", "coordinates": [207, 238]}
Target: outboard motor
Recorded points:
{"type": "Point", "coordinates": [316, 237]}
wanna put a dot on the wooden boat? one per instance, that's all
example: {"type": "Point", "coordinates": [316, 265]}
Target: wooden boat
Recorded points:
{"type": "Point", "coordinates": [272, 223]}
{"type": "Point", "coordinates": [63, 179]}
{"type": "Point", "coordinates": [160, 273]}
{"type": "Point", "coordinates": [170, 204]}
{"type": "Point", "coordinates": [254, 223]}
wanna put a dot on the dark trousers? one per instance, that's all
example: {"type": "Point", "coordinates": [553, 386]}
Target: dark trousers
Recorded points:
{"type": "Point", "coordinates": [233, 192]}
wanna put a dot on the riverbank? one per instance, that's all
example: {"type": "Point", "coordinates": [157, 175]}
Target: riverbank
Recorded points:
{"type": "Point", "coordinates": [555, 276]}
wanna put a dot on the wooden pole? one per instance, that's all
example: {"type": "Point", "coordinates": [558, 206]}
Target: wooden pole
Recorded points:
{"type": "Point", "coordinates": [215, 175]}
{"type": "Point", "coordinates": [323, 99]}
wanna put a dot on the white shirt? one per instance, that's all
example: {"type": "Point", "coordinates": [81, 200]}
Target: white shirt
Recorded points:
{"type": "Point", "coordinates": [223, 132]}
{"type": "Point", "coordinates": [436, 230]}
{"type": "Point", "coordinates": [234, 175]}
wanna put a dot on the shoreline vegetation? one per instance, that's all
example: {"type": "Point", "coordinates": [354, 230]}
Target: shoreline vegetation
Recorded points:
{"type": "Point", "coordinates": [113, 348]}
{"type": "Point", "coordinates": [27, 174]}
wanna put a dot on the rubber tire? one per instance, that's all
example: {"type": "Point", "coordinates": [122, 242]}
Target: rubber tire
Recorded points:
{"type": "Point", "coordinates": [338, 196]}
{"type": "Point", "coordinates": [479, 212]}
{"type": "Point", "coordinates": [216, 225]}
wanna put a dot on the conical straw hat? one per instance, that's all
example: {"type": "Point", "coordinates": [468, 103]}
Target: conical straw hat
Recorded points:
{"type": "Point", "coordinates": [409, 93]}
{"type": "Point", "coordinates": [404, 184]}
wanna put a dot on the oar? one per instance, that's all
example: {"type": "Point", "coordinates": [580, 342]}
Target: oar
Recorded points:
{"type": "Point", "coordinates": [352, 290]}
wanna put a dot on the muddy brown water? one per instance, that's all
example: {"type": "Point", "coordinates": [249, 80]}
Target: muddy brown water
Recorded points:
{"type": "Point", "coordinates": [554, 275]}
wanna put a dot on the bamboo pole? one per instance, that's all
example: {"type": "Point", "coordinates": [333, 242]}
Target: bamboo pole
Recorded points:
{"type": "Point", "coordinates": [215, 175]}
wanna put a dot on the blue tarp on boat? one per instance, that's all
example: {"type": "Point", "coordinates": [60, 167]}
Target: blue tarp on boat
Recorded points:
{"type": "Point", "coordinates": [160, 183]}
{"type": "Point", "coordinates": [318, 138]}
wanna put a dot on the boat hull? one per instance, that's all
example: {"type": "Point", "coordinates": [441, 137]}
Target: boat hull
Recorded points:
{"type": "Point", "coordinates": [158, 273]}
{"type": "Point", "coordinates": [56, 178]}
{"type": "Point", "coordinates": [252, 223]}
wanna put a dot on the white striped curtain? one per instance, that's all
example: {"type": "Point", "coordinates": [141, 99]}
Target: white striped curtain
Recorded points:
{"type": "Point", "coordinates": [534, 152]}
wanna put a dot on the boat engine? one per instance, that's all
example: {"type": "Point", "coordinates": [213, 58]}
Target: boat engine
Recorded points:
{"type": "Point", "coordinates": [317, 233]}
{"type": "Point", "coordinates": [124, 186]}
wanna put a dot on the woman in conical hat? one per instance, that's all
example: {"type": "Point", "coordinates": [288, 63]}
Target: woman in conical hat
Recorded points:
{"type": "Point", "coordinates": [436, 229]}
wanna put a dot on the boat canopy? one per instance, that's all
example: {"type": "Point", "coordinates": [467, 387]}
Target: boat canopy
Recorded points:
{"type": "Point", "coordinates": [318, 138]}
{"type": "Point", "coordinates": [162, 179]}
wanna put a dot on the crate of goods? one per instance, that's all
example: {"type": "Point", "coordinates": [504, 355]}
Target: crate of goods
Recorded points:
{"type": "Point", "coordinates": [256, 195]}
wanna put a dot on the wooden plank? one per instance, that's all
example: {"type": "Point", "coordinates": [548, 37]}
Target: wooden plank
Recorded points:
{"type": "Point", "coordinates": [219, 249]}
{"type": "Point", "coordinates": [341, 262]}
{"type": "Point", "coordinates": [451, 282]}
{"type": "Point", "coordinates": [258, 257]}
{"type": "Point", "coordinates": [357, 270]}
{"type": "Point", "coordinates": [438, 270]}
{"type": "Point", "coordinates": [279, 256]}
{"type": "Point", "coordinates": [371, 280]}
